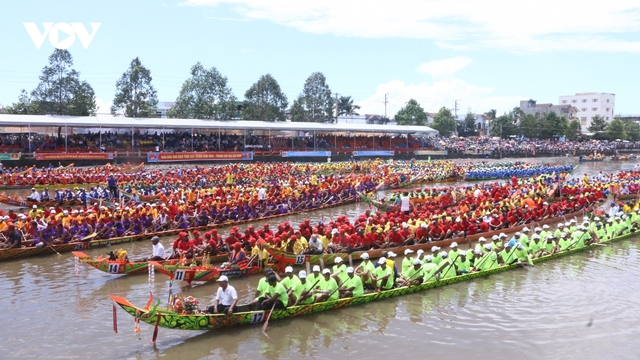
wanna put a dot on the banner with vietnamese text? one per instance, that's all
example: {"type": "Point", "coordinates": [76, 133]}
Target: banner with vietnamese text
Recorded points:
{"type": "Point", "coordinates": [74, 156]}
{"type": "Point", "coordinates": [198, 156]}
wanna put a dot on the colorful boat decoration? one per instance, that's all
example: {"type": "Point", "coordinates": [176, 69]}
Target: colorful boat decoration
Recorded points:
{"type": "Point", "coordinates": [624, 157]}
{"type": "Point", "coordinates": [118, 266]}
{"type": "Point", "coordinates": [284, 258]}
{"type": "Point", "coordinates": [171, 319]}
{"type": "Point", "coordinates": [204, 273]}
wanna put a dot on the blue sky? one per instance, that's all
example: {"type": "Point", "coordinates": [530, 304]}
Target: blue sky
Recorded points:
{"type": "Point", "coordinates": [486, 54]}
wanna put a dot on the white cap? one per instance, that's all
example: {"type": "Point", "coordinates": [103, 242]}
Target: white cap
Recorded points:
{"type": "Point", "coordinates": [482, 239]}
{"type": "Point", "coordinates": [560, 225]}
{"type": "Point", "coordinates": [487, 246]}
{"type": "Point", "coordinates": [302, 274]}
{"type": "Point", "coordinates": [598, 219]}
{"type": "Point", "coordinates": [428, 258]}
{"type": "Point", "coordinates": [434, 248]}
{"type": "Point", "coordinates": [223, 278]}
{"type": "Point", "coordinates": [337, 260]}
{"type": "Point", "coordinates": [316, 268]}
{"type": "Point", "coordinates": [288, 269]}
{"type": "Point", "coordinates": [545, 226]}
{"type": "Point", "coordinates": [525, 229]}
{"type": "Point", "coordinates": [364, 256]}
{"type": "Point", "coordinates": [453, 245]}
{"type": "Point", "coordinates": [423, 225]}
{"type": "Point", "coordinates": [477, 252]}
{"type": "Point", "coordinates": [518, 234]}
{"type": "Point", "coordinates": [326, 271]}
{"type": "Point", "coordinates": [419, 252]}
{"type": "Point", "coordinates": [35, 206]}
{"type": "Point", "coordinates": [417, 262]}
{"type": "Point", "coordinates": [572, 220]}
{"type": "Point", "coordinates": [564, 234]}
{"type": "Point", "coordinates": [408, 251]}
{"type": "Point", "coordinates": [349, 270]}
{"type": "Point", "coordinates": [503, 235]}
{"type": "Point", "coordinates": [334, 231]}
{"type": "Point", "coordinates": [391, 254]}
{"type": "Point", "coordinates": [520, 246]}
{"type": "Point", "coordinates": [443, 254]}
{"type": "Point", "coordinates": [495, 237]}
{"type": "Point", "coordinates": [382, 260]}
{"type": "Point", "coordinates": [536, 236]}
{"type": "Point", "coordinates": [537, 229]}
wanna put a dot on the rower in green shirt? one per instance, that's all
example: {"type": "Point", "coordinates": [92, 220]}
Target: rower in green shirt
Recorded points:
{"type": "Point", "coordinates": [545, 231]}
{"type": "Point", "coordinates": [550, 246]}
{"type": "Point", "coordinates": [429, 268]}
{"type": "Point", "coordinates": [289, 282]}
{"type": "Point", "coordinates": [315, 274]}
{"type": "Point", "coordinates": [303, 291]}
{"type": "Point", "coordinates": [434, 253]}
{"type": "Point", "coordinates": [507, 254]}
{"type": "Point", "coordinates": [522, 254]}
{"type": "Point", "coordinates": [577, 238]}
{"type": "Point", "coordinates": [275, 295]}
{"type": "Point", "coordinates": [382, 276]}
{"type": "Point", "coordinates": [447, 265]}
{"type": "Point", "coordinates": [407, 262]}
{"type": "Point", "coordinates": [352, 286]}
{"type": "Point", "coordinates": [572, 226]}
{"type": "Point", "coordinates": [339, 271]}
{"type": "Point", "coordinates": [524, 238]}
{"type": "Point", "coordinates": [327, 287]}
{"type": "Point", "coordinates": [558, 231]}
{"type": "Point", "coordinates": [477, 257]}
{"type": "Point", "coordinates": [489, 260]}
{"type": "Point", "coordinates": [454, 253]}
{"type": "Point", "coordinates": [600, 232]}
{"type": "Point", "coordinates": [535, 246]}
{"type": "Point", "coordinates": [564, 242]}
{"type": "Point", "coordinates": [414, 275]}
{"type": "Point", "coordinates": [365, 269]}
{"type": "Point", "coordinates": [463, 265]}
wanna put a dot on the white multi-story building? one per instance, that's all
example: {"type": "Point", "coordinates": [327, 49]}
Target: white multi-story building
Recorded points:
{"type": "Point", "coordinates": [590, 104]}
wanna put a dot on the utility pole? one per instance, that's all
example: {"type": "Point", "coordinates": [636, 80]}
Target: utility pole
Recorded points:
{"type": "Point", "coordinates": [385, 104]}
{"type": "Point", "coordinates": [337, 108]}
{"type": "Point", "coordinates": [455, 114]}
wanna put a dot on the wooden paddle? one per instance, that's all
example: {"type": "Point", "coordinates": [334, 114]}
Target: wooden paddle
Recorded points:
{"type": "Point", "coordinates": [90, 236]}
{"type": "Point", "coordinates": [266, 322]}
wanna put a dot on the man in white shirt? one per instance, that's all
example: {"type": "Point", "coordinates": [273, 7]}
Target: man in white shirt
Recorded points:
{"type": "Point", "coordinates": [35, 196]}
{"type": "Point", "coordinates": [158, 250]}
{"type": "Point", "coordinates": [226, 298]}
{"type": "Point", "coordinates": [262, 194]}
{"type": "Point", "coordinates": [405, 203]}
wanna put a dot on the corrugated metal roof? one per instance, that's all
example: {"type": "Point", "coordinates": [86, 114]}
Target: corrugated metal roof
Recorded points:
{"type": "Point", "coordinates": [157, 123]}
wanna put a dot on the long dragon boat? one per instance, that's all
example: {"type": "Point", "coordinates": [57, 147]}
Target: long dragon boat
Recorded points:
{"type": "Point", "coordinates": [118, 267]}
{"type": "Point", "coordinates": [204, 273]}
{"type": "Point", "coordinates": [624, 157]}
{"type": "Point", "coordinates": [20, 202]}
{"type": "Point", "coordinates": [284, 258]}
{"type": "Point", "coordinates": [18, 253]}
{"type": "Point", "coordinates": [171, 319]}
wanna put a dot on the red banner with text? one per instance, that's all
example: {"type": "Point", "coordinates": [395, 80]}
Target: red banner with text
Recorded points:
{"type": "Point", "coordinates": [198, 156]}
{"type": "Point", "coordinates": [74, 156]}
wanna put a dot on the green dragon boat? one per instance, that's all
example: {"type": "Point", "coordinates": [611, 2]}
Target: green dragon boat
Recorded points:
{"type": "Point", "coordinates": [170, 319]}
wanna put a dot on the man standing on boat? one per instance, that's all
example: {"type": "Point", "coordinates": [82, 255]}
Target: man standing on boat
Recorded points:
{"type": "Point", "coordinates": [226, 298]}
{"type": "Point", "coordinates": [113, 185]}
{"type": "Point", "coordinates": [158, 250]}
{"type": "Point", "coordinates": [405, 201]}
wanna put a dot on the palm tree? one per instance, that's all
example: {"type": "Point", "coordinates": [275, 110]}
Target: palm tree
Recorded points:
{"type": "Point", "coordinates": [346, 107]}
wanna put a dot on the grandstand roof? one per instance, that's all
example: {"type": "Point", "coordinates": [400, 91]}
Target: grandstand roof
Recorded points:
{"type": "Point", "coordinates": [159, 123]}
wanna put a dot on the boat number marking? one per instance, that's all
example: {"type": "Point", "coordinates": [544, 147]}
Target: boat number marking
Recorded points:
{"type": "Point", "coordinates": [179, 275]}
{"type": "Point", "coordinates": [257, 317]}
{"type": "Point", "coordinates": [300, 259]}
{"type": "Point", "coordinates": [113, 268]}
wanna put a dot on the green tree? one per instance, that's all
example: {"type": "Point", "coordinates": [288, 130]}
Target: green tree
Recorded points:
{"type": "Point", "coordinates": [316, 100]}
{"type": "Point", "coordinates": [598, 124]}
{"type": "Point", "coordinates": [265, 101]}
{"type": "Point", "coordinates": [444, 122]}
{"type": "Point", "coordinates": [468, 125]}
{"type": "Point", "coordinates": [530, 126]}
{"type": "Point", "coordinates": [298, 113]}
{"type": "Point", "coordinates": [60, 91]}
{"type": "Point", "coordinates": [24, 106]}
{"type": "Point", "coordinates": [135, 95]}
{"type": "Point", "coordinates": [411, 114]}
{"type": "Point", "coordinates": [491, 114]}
{"type": "Point", "coordinates": [573, 130]}
{"type": "Point", "coordinates": [632, 129]}
{"type": "Point", "coordinates": [346, 106]}
{"type": "Point", "coordinates": [503, 126]}
{"type": "Point", "coordinates": [553, 125]}
{"type": "Point", "coordinates": [205, 95]}
{"type": "Point", "coordinates": [615, 130]}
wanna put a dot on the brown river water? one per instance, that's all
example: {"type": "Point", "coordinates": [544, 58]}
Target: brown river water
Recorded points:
{"type": "Point", "coordinates": [581, 306]}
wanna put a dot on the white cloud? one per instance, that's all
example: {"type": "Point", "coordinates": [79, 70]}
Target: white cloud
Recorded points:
{"type": "Point", "coordinates": [444, 68]}
{"type": "Point", "coordinates": [517, 25]}
{"type": "Point", "coordinates": [433, 96]}
{"type": "Point", "coordinates": [104, 108]}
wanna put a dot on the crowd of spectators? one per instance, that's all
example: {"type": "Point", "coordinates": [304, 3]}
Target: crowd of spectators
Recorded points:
{"type": "Point", "coordinates": [214, 141]}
